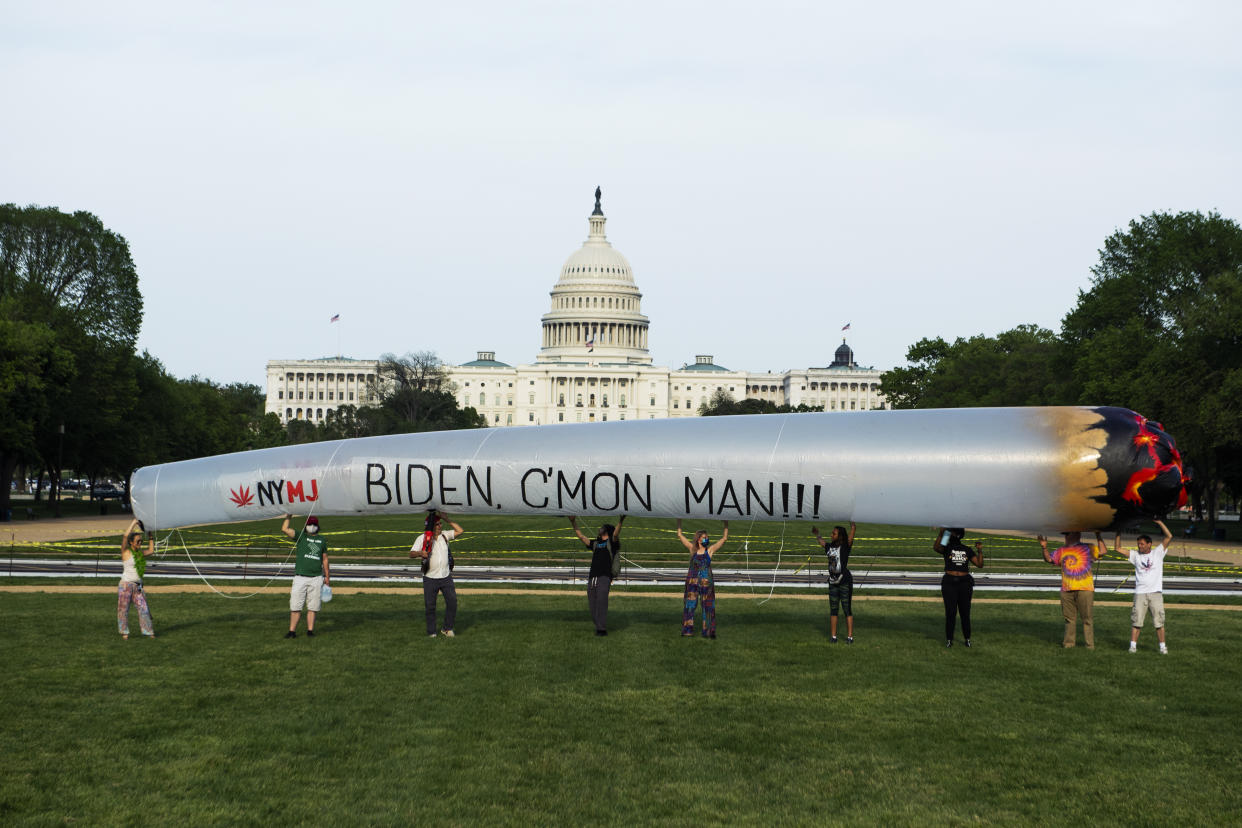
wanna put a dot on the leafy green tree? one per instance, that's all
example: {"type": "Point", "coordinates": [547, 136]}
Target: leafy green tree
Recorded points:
{"type": "Point", "coordinates": [1160, 331]}
{"type": "Point", "coordinates": [1023, 366]}
{"type": "Point", "coordinates": [304, 431]}
{"type": "Point", "coordinates": [723, 404]}
{"type": "Point", "coordinates": [73, 279]}
{"type": "Point", "coordinates": [92, 407]}
{"type": "Point", "coordinates": [32, 364]}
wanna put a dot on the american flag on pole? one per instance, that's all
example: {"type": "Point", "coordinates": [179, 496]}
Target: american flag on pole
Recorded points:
{"type": "Point", "coordinates": [336, 317]}
{"type": "Point", "coordinates": [591, 344]}
{"type": "Point", "coordinates": [847, 326]}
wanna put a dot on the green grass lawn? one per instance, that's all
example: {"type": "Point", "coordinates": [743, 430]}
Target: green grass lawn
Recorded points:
{"type": "Point", "coordinates": [528, 718]}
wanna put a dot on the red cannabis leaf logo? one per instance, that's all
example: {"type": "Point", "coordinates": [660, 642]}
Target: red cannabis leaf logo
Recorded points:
{"type": "Point", "coordinates": [242, 496]}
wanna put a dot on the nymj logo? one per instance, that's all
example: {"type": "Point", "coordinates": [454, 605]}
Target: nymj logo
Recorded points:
{"type": "Point", "coordinates": [276, 492]}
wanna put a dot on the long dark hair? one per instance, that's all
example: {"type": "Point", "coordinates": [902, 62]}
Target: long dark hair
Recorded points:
{"type": "Point", "coordinates": [844, 535]}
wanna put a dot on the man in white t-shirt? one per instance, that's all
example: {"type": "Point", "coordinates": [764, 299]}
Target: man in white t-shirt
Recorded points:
{"type": "Point", "coordinates": [432, 546]}
{"type": "Point", "coordinates": [1148, 584]}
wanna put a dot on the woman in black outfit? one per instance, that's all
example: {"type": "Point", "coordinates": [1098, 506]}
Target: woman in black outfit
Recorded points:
{"type": "Point", "coordinates": [604, 550]}
{"type": "Point", "coordinates": [840, 579]}
{"type": "Point", "coordinates": [957, 586]}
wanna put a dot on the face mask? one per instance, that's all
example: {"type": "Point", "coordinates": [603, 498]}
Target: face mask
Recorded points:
{"type": "Point", "coordinates": [705, 542]}
{"type": "Point", "coordinates": [312, 529]}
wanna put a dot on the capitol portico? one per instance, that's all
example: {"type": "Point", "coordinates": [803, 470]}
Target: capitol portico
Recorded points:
{"type": "Point", "coordinates": [593, 364]}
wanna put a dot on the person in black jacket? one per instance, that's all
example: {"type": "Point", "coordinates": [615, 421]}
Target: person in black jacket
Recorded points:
{"type": "Point", "coordinates": [957, 586]}
{"type": "Point", "coordinates": [604, 551]}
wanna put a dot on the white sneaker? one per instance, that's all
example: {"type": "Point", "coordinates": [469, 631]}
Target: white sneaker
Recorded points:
{"type": "Point", "coordinates": [1133, 650]}
{"type": "Point", "coordinates": [1164, 651]}
{"type": "Point", "coordinates": [449, 633]}
{"type": "Point", "coordinates": [433, 635]}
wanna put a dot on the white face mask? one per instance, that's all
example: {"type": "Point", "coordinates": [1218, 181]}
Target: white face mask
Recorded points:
{"type": "Point", "coordinates": [312, 529]}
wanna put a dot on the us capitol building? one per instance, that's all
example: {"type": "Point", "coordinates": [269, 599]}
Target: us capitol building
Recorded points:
{"type": "Point", "coordinates": [593, 364]}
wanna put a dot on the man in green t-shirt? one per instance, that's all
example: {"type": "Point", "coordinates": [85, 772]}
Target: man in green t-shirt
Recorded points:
{"type": "Point", "coordinates": [310, 573]}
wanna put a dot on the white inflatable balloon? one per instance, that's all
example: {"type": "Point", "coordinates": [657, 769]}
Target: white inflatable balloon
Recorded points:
{"type": "Point", "coordinates": [998, 468]}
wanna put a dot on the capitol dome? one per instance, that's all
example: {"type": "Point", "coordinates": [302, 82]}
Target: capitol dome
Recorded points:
{"type": "Point", "coordinates": [596, 261]}
{"type": "Point", "coordinates": [596, 313]}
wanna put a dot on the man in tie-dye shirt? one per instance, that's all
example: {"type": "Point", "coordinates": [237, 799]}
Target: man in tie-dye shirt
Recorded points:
{"type": "Point", "coordinates": [1076, 560]}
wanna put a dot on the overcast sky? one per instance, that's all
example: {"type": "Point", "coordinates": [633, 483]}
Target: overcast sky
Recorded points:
{"type": "Point", "coordinates": [772, 171]}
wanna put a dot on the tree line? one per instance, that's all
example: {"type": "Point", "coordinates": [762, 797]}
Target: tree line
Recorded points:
{"type": "Point", "coordinates": [1158, 331]}
{"type": "Point", "coordinates": [75, 394]}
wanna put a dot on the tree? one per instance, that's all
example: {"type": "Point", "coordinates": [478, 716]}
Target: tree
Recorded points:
{"type": "Point", "coordinates": [1160, 331]}
{"type": "Point", "coordinates": [415, 395]}
{"type": "Point", "coordinates": [1023, 366]}
{"type": "Point", "coordinates": [723, 404]}
{"type": "Point", "coordinates": [31, 365]}
{"type": "Point", "coordinates": [69, 284]}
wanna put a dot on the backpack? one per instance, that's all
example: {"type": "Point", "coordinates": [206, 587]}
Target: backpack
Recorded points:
{"type": "Point", "coordinates": [616, 558]}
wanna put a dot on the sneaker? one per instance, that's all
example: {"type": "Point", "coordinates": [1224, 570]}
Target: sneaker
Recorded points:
{"type": "Point", "coordinates": [949, 643]}
{"type": "Point", "coordinates": [1133, 649]}
{"type": "Point", "coordinates": [432, 635]}
{"type": "Point", "coordinates": [834, 639]}
{"type": "Point", "coordinates": [291, 634]}
{"type": "Point", "coordinates": [1164, 651]}
{"type": "Point", "coordinates": [849, 639]}
{"type": "Point", "coordinates": [449, 633]}
{"type": "Point", "coordinates": [601, 632]}
{"type": "Point", "coordinates": [310, 633]}
{"type": "Point", "coordinates": [968, 642]}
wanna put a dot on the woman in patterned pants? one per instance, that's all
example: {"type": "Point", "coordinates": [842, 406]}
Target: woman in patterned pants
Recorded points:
{"type": "Point", "coordinates": [699, 583]}
{"type": "Point", "coordinates": [133, 566]}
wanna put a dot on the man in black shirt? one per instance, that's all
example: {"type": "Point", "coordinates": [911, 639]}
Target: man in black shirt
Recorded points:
{"type": "Point", "coordinates": [604, 551]}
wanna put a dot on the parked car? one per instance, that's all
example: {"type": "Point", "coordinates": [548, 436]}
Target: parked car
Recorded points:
{"type": "Point", "coordinates": [107, 492]}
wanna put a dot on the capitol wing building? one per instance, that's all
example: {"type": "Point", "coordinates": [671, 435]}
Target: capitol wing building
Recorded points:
{"type": "Point", "coordinates": [593, 364]}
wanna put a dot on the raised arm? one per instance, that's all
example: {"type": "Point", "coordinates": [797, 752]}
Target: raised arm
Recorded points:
{"type": "Point", "coordinates": [1043, 544]}
{"type": "Point", "coordinates": [1168, 536]}
{"type": "Point", "coordinates": [853, 531]}
{"type": "Point", "coordinates": [823, 544]}
{"type": "Point", "coordinates": [977, 558]}
{"type": "Point", "coordinates": [689, 546]}
{"type": "Point", "coordinates": [573, 522]}
{"type": "Point", "coordinates": [616, 532]}
{"type": "Point", "coordinates": [724, 536]}
{"type": "Point", "coordinates": [284, 527]}
{"type": "Point", "coordinates": [133, 524]}
{"type": "Point", "coordinates": [1117, 544]}
{"type": "Point", "coordinates": [457, 530]}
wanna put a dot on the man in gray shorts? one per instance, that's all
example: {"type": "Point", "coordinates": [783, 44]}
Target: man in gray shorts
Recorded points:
{"type": "Point", "coordinates": [1148, 584]}
{"type": "Point", "coordinates": [310, 573]}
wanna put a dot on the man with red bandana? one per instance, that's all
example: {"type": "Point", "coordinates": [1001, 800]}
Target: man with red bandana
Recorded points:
{"type": "Point", "coordinates": [1076, 560]}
